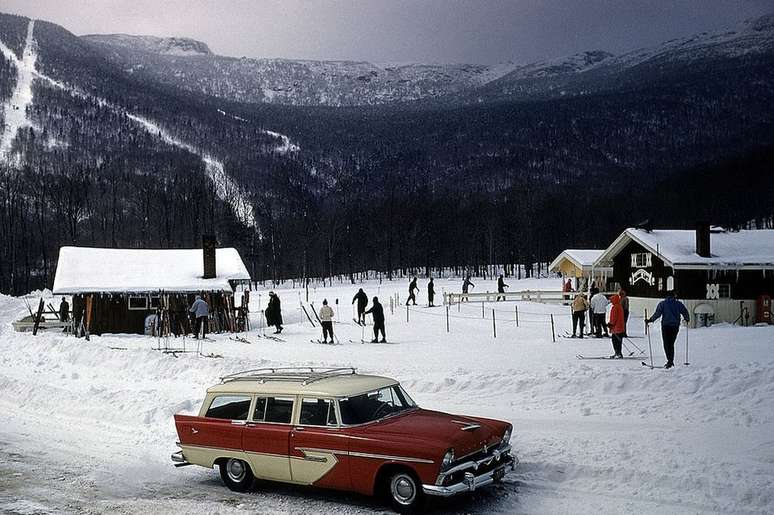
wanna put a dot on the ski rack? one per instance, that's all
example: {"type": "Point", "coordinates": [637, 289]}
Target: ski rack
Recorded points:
{"type": "Point", "coordinates": [304, 375]}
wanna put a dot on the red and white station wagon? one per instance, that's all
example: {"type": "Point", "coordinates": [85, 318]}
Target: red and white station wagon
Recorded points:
{"type": "Point", "coordinates": [335, 428]}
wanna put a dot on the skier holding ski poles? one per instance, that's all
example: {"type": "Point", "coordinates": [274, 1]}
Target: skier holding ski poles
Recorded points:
{"type": "Point", "coordinates": [466, 285]}
{"type": "Point", "coordinates": [669, 311]}
{"type": "Point", "coordinates": [377, 313]}
{"type": "Point", "coordinates": [326, 321]}
{"type": "Point", "coordinates": [430, 293]}
{"type": "Point", "coordinates": [501, 286]}
{"type": "Point", "coordinates": [617, 326]}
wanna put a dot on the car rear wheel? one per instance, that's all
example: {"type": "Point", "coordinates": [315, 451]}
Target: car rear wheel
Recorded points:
{"type": "Point", "coordinates": [405, 492]}
{"type": "Point", "coordinates": [236, 474]}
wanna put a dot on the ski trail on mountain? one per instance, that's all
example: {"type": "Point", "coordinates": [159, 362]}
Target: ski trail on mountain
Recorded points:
{"type": "Point", "coordinates": [286, 145]}
{"type": "Point", "coordinates": [16, 108]}
{"type": "Point", "coordinates": [225, 187]}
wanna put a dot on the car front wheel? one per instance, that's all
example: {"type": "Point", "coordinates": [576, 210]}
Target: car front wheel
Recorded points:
{"type": "Point", "coordinates": [236, 474]}
{"type": "Point", "coordinates": [405, 492]}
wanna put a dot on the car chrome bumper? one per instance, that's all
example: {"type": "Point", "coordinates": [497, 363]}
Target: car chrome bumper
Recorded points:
{"type": "Point", "coordinates": [178, 459]}
{"type": "Point", "coordinates": [471, 481]}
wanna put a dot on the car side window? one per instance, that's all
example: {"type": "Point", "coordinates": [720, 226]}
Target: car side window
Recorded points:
{"type": "Point", "coordinates": [317, 412]}
{"type": "Point", "coordinates": [278, 410]}
{"type": "Point", "coordinates": [229, 407]}
{"type": "Point", "coordinates": [259, 413]}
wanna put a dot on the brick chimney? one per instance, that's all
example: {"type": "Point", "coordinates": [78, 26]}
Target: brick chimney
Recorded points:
{"type": "Point", "coordinates": [209, 244]}
{"type": "Point", "coordinates": [703, 239]}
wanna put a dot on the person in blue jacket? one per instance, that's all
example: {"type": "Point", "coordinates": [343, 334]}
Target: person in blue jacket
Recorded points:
{"type": "Point", "coordinates": [669, 311]}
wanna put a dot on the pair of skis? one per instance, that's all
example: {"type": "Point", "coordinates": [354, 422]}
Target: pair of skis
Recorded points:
{"type": "Point", "coordinates": [324, 343]}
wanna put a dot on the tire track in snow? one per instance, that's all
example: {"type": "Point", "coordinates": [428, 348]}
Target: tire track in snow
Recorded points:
{"type": "Point", "coordinates": [16, 107]}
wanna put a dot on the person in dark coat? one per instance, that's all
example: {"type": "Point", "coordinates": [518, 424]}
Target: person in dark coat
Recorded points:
{"type": "Point", "coordinates": [77, 315]}
{"type": "Point", "coordinates": [501, 286]}
{"type": "Point", "coordinates": [430, 293]}
{"type": "Point", "coordinates": [669, 311]}
{"type": "Point", "coordinates": [64, 310]}
{"type": "Point", "coordinates": [412, 287]}
{"type": "Point", "coordinates": [274, 312]}
{"type": "Point", "coordinates": [377, 313]}
{"type": "Point", "coordinates": [466, 285]}
{"type": "Point", "coordinates": [362, 301]}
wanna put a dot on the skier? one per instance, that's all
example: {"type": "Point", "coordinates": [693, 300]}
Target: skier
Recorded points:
{"type": "Point", "coordinates": [579, 307]}
{"type": "Point", "coordinates": [617, 326]}
{"type": "Point", "coordinates": [64, 311]}
{"type": "Point", "coordinates": [377, 313]}
{"type": "Point", "coordinates": [326, 320]}
{"type": "Point", "coordinates": [669, 311]}
{"type": "Point", "coordinates": [274, 312]}
{"type": "Point", "coordinates": [466, 284]}
{"type": "Point", "coordinates": [412, 286]}
{"type": "Point", "coordinates": [501, 286]}
{"type": "Point", "coordinates": [362, 301]}
{"type": "Point", "coordinates": [625, 306]}
{"type": "Point", "coordinates": [201, 311]}
{"type": "Point", "coordinates": [599, 305]}
{"type": "Point", "coordinates": [430, 293]}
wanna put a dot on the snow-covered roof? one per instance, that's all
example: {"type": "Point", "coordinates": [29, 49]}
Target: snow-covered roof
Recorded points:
{"type": "Point", "coordinates": [581, 258]}
{"type": "Point", "coordinates": [752, 249]}
{"type": "Point", "coordinates": [92, 270]}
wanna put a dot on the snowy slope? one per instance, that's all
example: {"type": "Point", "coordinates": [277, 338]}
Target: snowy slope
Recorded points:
{"type": "Point", "coordinates": [15, 109]}
{"type": "Point", "coordinates": [595, 437]}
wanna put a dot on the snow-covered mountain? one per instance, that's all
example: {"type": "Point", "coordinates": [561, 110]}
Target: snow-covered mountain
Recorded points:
{"type": "Point", "coordinates": [189, 65]}
{"type": "Point", "coordinates": [153, 44]}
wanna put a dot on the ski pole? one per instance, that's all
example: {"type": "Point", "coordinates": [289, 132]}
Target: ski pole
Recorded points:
{"type": "Point", "coordinates": [634, 344]}
{"type": "Point", "coordinates": [650, 347]}
{"type": "Point", "coordinates": [686, 345]}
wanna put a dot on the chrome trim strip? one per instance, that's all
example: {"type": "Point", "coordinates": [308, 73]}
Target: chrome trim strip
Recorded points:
{"type": "Point", "coordinates": [356, 454]}
{"type": "Point", "coordinates": [500, 452]}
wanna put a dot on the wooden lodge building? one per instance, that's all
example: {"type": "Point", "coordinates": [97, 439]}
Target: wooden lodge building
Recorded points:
{"type": "Point", "coordinates": [116, 290]}
{"type": "Point", "coordinates": [721, 276]}
{"type": "Point", "coordinates": [579, 265]}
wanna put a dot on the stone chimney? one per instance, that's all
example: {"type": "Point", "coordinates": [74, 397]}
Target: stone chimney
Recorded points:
{"type": "Point", "coordinates": [209, 244]}
{"type": "Point", "coordinates": [703, 239]}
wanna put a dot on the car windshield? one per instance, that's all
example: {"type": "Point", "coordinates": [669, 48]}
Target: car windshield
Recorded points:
{"type": "Point", "coordinates": [370, 406]}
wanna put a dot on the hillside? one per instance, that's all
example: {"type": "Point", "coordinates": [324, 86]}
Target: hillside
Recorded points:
{"type": "Point", "coordinates": [100, 155]}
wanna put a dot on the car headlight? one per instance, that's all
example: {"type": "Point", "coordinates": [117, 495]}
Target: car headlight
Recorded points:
{"type": "Point", "coordinates": [507, 435]}
{"type": "Point", "coordinates": [448, 459]}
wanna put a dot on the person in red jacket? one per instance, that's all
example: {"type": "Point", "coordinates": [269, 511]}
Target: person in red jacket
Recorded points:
{"type": "Point", "coordinates": [617, 325]}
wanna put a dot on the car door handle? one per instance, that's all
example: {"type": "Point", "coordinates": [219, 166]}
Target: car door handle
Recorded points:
{"type": "Point", "coordinates": [194, 430]}
{"type": "Point", "coordinates": [298, 429]}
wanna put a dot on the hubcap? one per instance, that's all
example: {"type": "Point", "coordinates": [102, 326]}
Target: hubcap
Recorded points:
{"type": "Point", "coordinates": [403, 489]}
{"type": "Point", "coordinates": [236, 470]}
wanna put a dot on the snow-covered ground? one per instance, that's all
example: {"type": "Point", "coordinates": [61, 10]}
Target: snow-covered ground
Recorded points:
{"type": "Point", "coordinates": [87, 426]}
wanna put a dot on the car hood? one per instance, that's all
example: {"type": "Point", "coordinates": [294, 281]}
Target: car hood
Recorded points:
{"type": "Point", "coordinates": [442, 430]}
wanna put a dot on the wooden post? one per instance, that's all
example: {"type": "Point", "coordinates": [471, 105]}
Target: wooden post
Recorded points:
{"type": "Point", "coordinates": [447, 318]}
{"type": "Point", "coordinates": [494, 324]}
{"type": "Point", "coordinates": [407, 313]}
{"type": "Point", "coordinates": [553, 331]}
{"type": "Point", "coordinates": [516, 308]}
{"type": "Point", "coordinates": [482, 310]}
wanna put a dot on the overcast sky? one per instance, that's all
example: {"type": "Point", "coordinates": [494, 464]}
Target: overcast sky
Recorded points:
{"type": "Point", "coordinates": [474, 31]}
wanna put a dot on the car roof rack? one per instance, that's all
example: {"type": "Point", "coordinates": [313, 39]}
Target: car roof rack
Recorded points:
{"type": "Point", "coordinates": [303, 375]}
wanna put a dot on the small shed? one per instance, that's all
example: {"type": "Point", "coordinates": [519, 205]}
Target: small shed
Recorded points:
{"type": "Point", "coordinates": [718, 274]}
{"type": "Point", "coordinates": [115, 290]}
{"type": "Point", "coordinates": [579, 265]}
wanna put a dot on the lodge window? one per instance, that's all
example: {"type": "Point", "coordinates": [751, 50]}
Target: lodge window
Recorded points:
{"type": "Point", "coordinates": [138, 303]}
{"type": "Point", "coordinates": [642, 259]}
{"type": "Point", "coordinates": [229, 407]}
{"type": "Point", "coordinates": [724, 291]}
{"type": "Point", "coordinates": [318, 412]}
{"type": "Point", "coordinates": [154, 302]}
